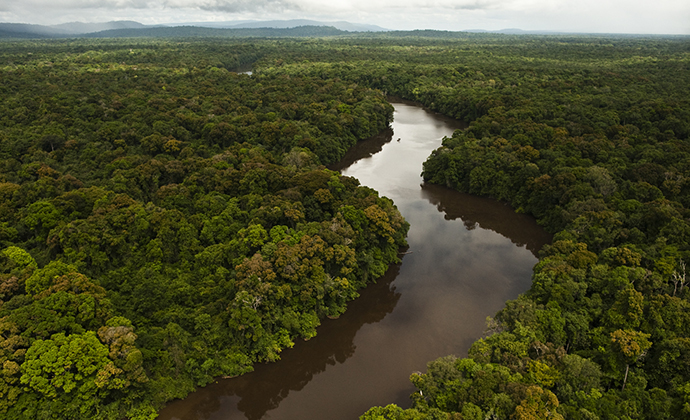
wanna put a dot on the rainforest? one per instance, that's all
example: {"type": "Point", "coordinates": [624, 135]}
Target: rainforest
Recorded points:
{"type": "Point", "coordinates": [166, 219]}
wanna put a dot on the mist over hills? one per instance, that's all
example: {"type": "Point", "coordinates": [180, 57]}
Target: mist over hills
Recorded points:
{"type": "Point", "coordinates": [285, 24]}
{"type": "Point", "coordinates": [85, 28]}
{"type": "Point", "coordinates": [71, 29]}
{"type": "Point", "coordinates": [294, 27]}
{"type": "Point", "coordinates": [197, 31]}
{"type": "Point", "coordinates": [243, 28]}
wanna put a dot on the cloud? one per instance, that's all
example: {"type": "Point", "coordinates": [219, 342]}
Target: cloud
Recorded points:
{"type": "Point", "coordinates": [414, 6]}
{"type": "Point", "coordinates": [234, 6]}
{"type": "Point", "coordinates": [625, 16]}
{"type": "Point", "coordinates": [475, 5]}
{"type": "Point", "coordinates": [274, 6]}
{"type": "Point", "coordinates": [68, 6]}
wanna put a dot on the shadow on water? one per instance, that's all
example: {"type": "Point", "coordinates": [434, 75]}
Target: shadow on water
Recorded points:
{"type": "Point", "coordinates": [264, 389]}
{"type": "Point", "coordinates": [364, 149]}
{"type": "Point", "coordinates": [487, 213]}
{"type": "Point", "coordinates": [462, 265]}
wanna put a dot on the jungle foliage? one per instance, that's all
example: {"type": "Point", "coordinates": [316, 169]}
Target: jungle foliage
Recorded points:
{"type": "Point", "coordinates": [164, 221]}
{"type": "Point", "coordinates": [591, 136]}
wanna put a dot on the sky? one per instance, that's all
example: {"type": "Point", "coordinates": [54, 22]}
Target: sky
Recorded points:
{"type": "Point", "coordinates": [592, 16]}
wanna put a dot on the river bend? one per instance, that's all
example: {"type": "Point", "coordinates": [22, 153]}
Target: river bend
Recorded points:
{"type": "Point", "coordinates": [467, 256]}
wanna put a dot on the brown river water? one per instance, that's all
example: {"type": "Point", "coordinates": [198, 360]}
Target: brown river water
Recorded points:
{"type": "Point", "coordinates": [467, 255]}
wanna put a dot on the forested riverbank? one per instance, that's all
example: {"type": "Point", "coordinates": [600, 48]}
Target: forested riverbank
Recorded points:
{"type": "Point", "coordinates": [156, 213]}
{"type": "Point", "coordinates": [590, 135]}
{"type": "Point", "coordinates": [164, 224]}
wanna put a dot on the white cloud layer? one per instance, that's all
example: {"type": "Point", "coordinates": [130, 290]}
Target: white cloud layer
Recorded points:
{"type": "Point", "coordinates": [603, 16]}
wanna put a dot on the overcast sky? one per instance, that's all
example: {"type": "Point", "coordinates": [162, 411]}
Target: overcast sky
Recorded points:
{"type": "Point", "coordinates": [602, 16]}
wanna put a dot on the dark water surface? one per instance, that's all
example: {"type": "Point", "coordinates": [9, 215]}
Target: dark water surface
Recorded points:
{"type": "Point", "coordinates": [467, 256]}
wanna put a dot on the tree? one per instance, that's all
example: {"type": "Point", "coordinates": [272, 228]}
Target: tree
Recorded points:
{"type": "Point", "coordinates": [70, 369]}
{"type": "Point", "coordinates": [632, 345]}
{"type": "Point", "coordinates": [678, 276]}
{"type": "Point", "coordinates": [19, 258]}
{"type": "Point", "coordinates": [540, 404]}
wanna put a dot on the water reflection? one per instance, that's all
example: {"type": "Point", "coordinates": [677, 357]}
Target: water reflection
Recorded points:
{"type": "Point", "coordinates": [364, 149]}
{"type": "Point", "coordinates": [487, 213]}
{"type": "Point", "coordinates": [467, 256]}
{"type": "Point", "coordinates": [264, 389]}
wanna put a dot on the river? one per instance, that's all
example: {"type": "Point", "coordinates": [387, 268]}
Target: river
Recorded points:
{"type": "Point", "coordinates": [467, 255]}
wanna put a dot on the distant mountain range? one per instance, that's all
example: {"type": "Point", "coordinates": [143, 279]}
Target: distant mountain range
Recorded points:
{"type": "Point", "coordinates": [295, 27]}
{"type": "Point", "coordinates": [197, 31]}
{"type": "Point", "coordinates": [285, 24]}
{"type": "Point", "coordinates": [85, 28]}
{"type": "Point", "coordinates": [245, 28]}
{"type": "Point", "coordinates": [23, 30]}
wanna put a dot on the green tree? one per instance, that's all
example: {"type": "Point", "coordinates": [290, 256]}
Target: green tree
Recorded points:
{"type": "Point", "coordinates": [72, 369]}
{"type": "Point", "coordinates": [631, 346]}
{"type": "Point", "coordinates": [539, 404]}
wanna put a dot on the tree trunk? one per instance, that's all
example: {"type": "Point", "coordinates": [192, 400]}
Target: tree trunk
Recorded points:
{"type": "Point", "coordinates": [625, 378]}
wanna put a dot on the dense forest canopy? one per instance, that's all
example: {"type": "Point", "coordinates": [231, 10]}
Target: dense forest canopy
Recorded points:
{"type": "Point", "coordinates": [164, 220]}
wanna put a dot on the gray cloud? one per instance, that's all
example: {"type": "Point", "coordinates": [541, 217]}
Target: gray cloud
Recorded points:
{"type": "Point", "coordinates": [77, 5]}
{"type": "Point", "coordinates": [476, 5]}
{"type": "Point", "coordinates": [625, 16]}
{"type": "Point", "coordinates": [439, 5]}
{"type": "Point", "coordinates": [238, 6]}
